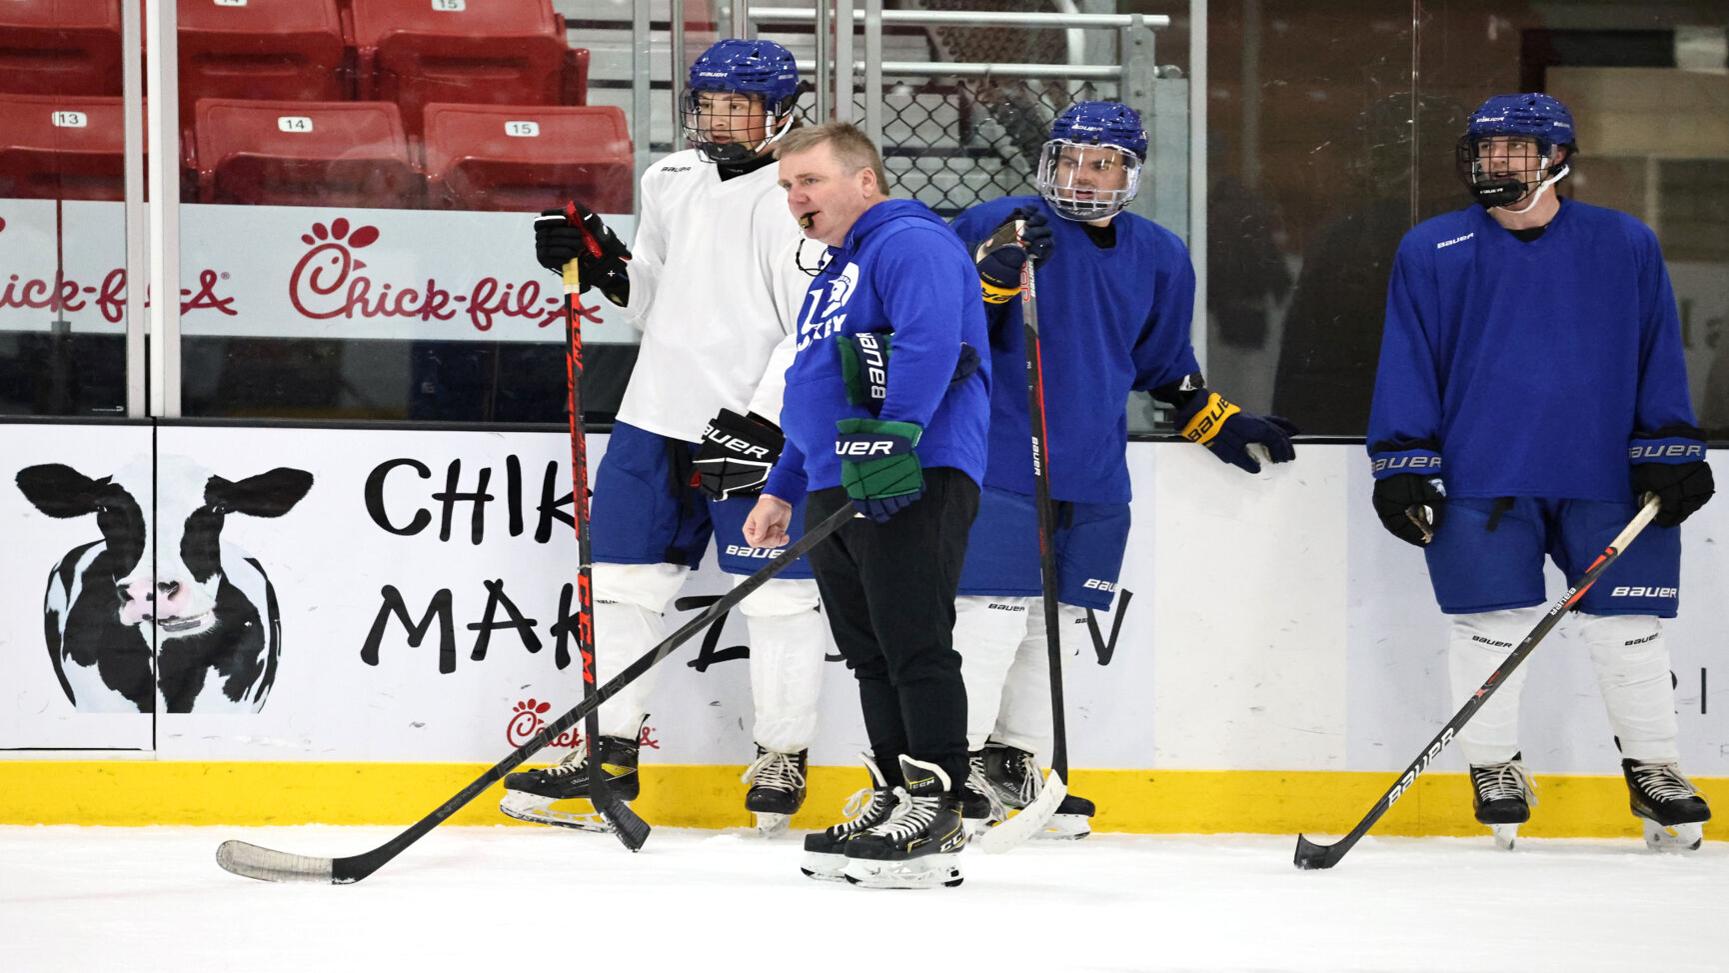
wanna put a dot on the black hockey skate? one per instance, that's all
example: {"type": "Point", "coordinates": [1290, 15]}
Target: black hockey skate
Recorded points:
{"type": "Point", "coordinates": [1015, 779]}
{"type": "Point", "coordinates": [776, 788]}
{"type": "Point", "coordinates": [824, 858]}
{"type": "Point", "coordinates": [1667, 804]}
{"type": "Point", "coordinates": [1502, 795]}
{"type": "Point", "coordinates": [919, 845]}
{"type": "Point", "coordinates": [530, 794]}
{"type": "Point", "coordinates": [980, 807]}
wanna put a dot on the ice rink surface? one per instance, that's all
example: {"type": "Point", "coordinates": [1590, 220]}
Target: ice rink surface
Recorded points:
{"type": "Point", "coordinates": [123, 899]}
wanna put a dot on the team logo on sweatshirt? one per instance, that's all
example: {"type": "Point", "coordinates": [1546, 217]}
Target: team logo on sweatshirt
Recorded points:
{"type": "Point", "coordinates": [831, 296]}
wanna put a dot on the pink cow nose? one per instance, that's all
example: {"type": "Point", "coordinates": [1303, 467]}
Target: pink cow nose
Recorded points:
{"type": "Point", "coordinates": [141, 600]}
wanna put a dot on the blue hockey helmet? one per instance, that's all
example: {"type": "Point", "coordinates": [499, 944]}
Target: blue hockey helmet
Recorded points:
{"type": "Point", "coordinates": [761, 69]}
{"type": "Point", "coordinates": [1504, 176]}
{"type": "Point", "coordinates": [1078, 173]}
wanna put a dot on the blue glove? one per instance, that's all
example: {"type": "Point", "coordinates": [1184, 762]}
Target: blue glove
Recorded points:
{"type": "Point", "coordinates": [1229, 431]}
{"type": "Point", "coordinates": [878, 467]}
{"type": "Point", "coordinates": [1000, 259]}
{"type": "Point", "coordinates": [1671, 463]}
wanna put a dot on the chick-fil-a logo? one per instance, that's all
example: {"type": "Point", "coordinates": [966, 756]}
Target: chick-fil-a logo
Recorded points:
{"type": "Point", "coordinates": [329, 282]}
{"type": "Point", "coordinates": [529, 715]}
{"type": "Point", "coordinates": [68, 294]}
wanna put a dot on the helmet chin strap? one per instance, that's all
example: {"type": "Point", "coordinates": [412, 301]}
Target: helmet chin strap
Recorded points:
{"type": "Point", "coordinates": [1542, 188]}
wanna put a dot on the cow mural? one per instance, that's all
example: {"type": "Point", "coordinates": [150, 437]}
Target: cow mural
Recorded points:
{"type": "Point", "coordinates": [208, 608]}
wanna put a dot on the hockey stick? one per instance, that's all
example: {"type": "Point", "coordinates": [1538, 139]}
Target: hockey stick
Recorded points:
{"type": "Point", "coordinates": [252, 861]}
{"type": "Point", "coordinates": [631, 829]}
{"type": "Point", "coordinates": [1039, 812]}
{"type": "Point", "coordinates": [1313, 855]}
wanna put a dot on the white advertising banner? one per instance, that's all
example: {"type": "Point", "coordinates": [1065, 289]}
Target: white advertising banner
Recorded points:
{"type": "Point", "coordinates": [300, 272]}
{"type": "Point", "coordinates": [327, 594]}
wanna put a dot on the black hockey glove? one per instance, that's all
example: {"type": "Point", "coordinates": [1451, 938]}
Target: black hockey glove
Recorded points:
{"type": "Point", "coordinates": [1410, 497]}
{"type": "Point", "coordinates": [1000, 259]}
{"type": "Point", "coordinates": [1671, 463]}
{"type": "Point", "coordinates": [591, 243]}
{"type": "Point", "coordinates": [1228, 431]}
{"type": "Point", "coordinates": [736, 454]}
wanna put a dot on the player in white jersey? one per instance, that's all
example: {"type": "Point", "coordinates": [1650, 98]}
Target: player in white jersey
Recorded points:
{"type": "Point", "coordinates": [712, 281]}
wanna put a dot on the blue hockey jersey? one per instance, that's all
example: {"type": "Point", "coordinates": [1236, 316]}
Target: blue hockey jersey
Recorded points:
{"type": "Point", "coordinates": [1110, 321]}
{"type": "Point", "coordinates": [1531, 364]}
{"type": "Point", "coordinates": [900, 269]}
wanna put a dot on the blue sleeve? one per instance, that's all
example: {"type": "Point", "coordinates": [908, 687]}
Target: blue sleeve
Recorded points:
{"type": "Point", "coordinates": [1663, 400]}
{"type": "Point", "coordinates": [926, 284]}
{"type": "Point", "coordinates": [1163, 353]}
{"type": "Point", "coordinates": [787, 480]}
{"type": "Point", "coordinates": [1407, 402]}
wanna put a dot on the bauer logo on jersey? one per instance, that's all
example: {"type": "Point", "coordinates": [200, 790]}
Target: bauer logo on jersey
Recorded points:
{"type": "Point", "coordinates": [741, 550]}
{"type": "Point", "coordinates": [831, 296]}
{"type": "Point", "coordinates": [1644, 591]}
{"type": "Point", "coordinates": [1100, 584]}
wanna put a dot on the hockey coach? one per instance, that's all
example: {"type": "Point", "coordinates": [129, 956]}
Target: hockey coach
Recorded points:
{"type": "Point", "coordinates": [887, 404]}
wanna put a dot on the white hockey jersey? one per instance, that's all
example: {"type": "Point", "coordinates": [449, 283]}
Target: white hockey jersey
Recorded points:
{"type": "Point", "coordinates": [716, 290]}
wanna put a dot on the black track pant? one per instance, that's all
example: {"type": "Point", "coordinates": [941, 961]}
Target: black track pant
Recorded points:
{"type": "Point", "coordinates": [889, 593]}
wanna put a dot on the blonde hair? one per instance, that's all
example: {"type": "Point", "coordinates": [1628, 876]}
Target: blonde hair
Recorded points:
{"type": "Point", "coordinates": [851, 147]}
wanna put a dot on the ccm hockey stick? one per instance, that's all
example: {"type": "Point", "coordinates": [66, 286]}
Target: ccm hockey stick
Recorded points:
{"type": "Point", "coordinates": [630, 828]}
{"type": "Point", "coordinates": [1313, 855]}
{"type": "Point", "coordinates": [252, 861]}
{"type": "Point", "coordinates": [1039, 812]}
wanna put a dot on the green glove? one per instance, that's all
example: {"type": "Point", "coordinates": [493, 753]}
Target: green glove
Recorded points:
{"type": "Point", "coordinates": [878, 467]}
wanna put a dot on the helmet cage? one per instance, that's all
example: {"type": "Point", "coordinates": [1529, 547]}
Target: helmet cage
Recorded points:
{"type": "Point", "coordinates": [1085, 204]}
{"type": "Point", "coordinates": [776, 121]}
{"type": "Point", "coordinates": [1511, 176]}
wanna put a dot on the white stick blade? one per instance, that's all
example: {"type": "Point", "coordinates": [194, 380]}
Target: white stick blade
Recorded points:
{"type": "Point", "coordinates": [251, 861]}
{"type": "Point", "coordinates": [1029, 822]}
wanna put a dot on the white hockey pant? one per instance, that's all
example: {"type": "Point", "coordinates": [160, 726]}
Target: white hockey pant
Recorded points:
{"type": "Point", "coordinates": [629, 600]}
{"type": "Point", "coordinates": [788, 639]}
{"type": "Point", "coordinates": [1632, 664]}
{"type": "Point", "coordinates": [1006, 667]}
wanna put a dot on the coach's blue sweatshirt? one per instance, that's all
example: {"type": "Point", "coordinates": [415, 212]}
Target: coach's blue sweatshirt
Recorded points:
{"type": "Point", "coordinates": [900, 269]}
{"type": "Point", "coordinates": [1530, 364]}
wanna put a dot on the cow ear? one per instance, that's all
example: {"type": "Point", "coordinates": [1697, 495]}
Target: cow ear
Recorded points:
{"type": "Point", "coordinates": [269, 494]}
{"type": "Point", "coordinates": [58, 490]}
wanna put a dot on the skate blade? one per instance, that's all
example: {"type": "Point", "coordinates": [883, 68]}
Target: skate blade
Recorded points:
{"type": "Point", "coordinates": [771, 825]}
{"type": "Point", "coordinates": [978, 826]}
{"type": "Point", "coordinates": [1506, 835]}
{"type": "Point", "coordinates": [538, 810]}
{"type": "Point", "coordinates": [823, 867]}
{"type": "Point", "coordinates": [929, 872]}
{"type": "Point", "coordinates": [1067, 827]}
{"type": "Point", "coordinates": [1674, 838]}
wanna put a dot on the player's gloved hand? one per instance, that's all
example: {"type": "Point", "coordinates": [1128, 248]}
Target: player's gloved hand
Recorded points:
{"type": "Point", "coordinates": [736, 454]}
{"type": "Point", "coordinates": [1410, 496]}
{"type": "Point", "coordinates": [598, 253]}
{"type": "Point", "coordinates": [864, 366]}
{"type": "Point", "coordinates": [1000, 258]}
{"type": "Point", "coordinates": [1671, 463]}
{"type": "Point", "coordinates": [878, 467]}
{"type": "Point", "coordinates": [1228, 431]}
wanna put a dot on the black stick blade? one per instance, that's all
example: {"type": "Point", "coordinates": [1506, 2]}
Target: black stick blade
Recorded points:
{"type": "Point", "coordinates": [265, 865]}
{"type": "Point", "coordinates": [1311, 855]}
{"type": "Point", "coordinates": [631, 829]}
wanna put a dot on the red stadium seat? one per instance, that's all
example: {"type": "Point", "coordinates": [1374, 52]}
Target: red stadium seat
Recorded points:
{"type": "Point", "coordinates": [289, 153]}
{"type": "Point", "coordinates": [287, 50]}
{"type": "Point", "coordinates": [527, 158]}
{"type": "Point", "coordinates": [415, 52]}
{"type": "Point", "coordinates": [60, 47]}
{"type": "Point", "coordinates": [61, 147]}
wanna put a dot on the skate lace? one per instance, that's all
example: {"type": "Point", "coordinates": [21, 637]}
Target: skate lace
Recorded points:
{"type": "Point", "coordinates": [1663, 782]}
{"type": "Point", "coordinates": [979, 782]}
{"type": "Point", "coordinates": [911, 815]}
{"type": "Point", "coordinates": [1030, 782]}
{"type": "Point", "coordinates": [574, 762]}
{"type": "Point", "coordinates": [777, 771]}
{"type": "Point", "coordinates": [1497, 782]}
{"type": "Point", "coordinates": [859, 808]}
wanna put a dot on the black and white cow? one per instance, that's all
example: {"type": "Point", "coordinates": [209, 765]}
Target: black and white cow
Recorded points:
{"type": "Point", "coordinates": [208, 606]}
